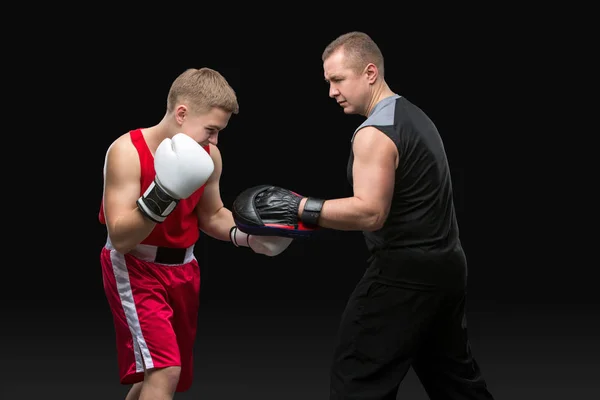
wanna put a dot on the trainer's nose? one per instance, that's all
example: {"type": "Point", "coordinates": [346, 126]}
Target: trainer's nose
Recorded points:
{"type": "Point", "coordinates": [333, 92]}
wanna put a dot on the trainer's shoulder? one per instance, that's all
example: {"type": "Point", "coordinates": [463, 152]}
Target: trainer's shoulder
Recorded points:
{"type": "Point", "coordinates": [383, 114]}
{"type": "Point", "coordinates": [408, 112]}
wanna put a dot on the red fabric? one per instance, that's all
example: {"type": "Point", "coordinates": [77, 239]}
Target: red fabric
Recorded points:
{"type": "Point", "coordinates": [180, 229]}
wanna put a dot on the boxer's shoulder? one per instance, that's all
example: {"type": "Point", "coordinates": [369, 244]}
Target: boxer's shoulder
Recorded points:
{"type": "Point", "coordinates": [122, 154]}
{"type": "Point", "coordinates": [215, 154]}
{"type": "Point", "coordinates": [123, 146]}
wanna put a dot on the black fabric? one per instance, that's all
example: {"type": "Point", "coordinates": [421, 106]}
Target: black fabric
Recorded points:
{"type": "Point", "coordinates": [409, 307]}
{"type": "Point", "coordinates": [422, 213]}
{"type": "Point", "coordinates": [168, 255]}
{"type": "Point", "coordinates": [391, 323]}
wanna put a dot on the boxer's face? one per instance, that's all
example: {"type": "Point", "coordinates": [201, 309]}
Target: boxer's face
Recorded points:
{"type": "Point", "coordinates": [204, 128]}
{"type": "Point", "coordinates": [349, 88]}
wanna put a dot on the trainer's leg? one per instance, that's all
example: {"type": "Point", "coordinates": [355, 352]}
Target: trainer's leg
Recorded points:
{"type": "Point", "coordinates": [445, 364]}
{"type": "Point", "coordinates": [379, 335]}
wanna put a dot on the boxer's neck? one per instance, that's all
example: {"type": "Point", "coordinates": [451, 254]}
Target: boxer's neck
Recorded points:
{"type": "Point", "coordinates": [155, 134]}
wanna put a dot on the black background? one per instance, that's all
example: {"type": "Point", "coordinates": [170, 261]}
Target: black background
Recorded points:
{"type": "Point", "coordinates": [266, 325]}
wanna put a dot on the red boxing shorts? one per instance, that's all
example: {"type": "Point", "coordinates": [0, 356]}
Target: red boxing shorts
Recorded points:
{"type": "Point", "coordinates": [155, 310]}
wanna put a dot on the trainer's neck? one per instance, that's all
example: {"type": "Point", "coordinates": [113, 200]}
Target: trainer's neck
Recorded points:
{"type": "Point", "coordinates": [380, 92]}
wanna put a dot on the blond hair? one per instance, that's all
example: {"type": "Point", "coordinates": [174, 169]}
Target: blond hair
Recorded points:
{"type": "Point", "coordinates": [359, 50]}
{"type": "Point", "coordinates": [202, 89]}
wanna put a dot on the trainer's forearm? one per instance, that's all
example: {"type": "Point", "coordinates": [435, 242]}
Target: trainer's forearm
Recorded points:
{"type": "Point", "coordinates": [347, 214]}
{"type": "Point", "coordinates": [218, 224]}
{"type": "Point", "coordinates": [127, 231]}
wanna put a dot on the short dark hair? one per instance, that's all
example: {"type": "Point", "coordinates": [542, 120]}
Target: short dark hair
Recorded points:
{"type": "Point", "coordinates": [359, 49]}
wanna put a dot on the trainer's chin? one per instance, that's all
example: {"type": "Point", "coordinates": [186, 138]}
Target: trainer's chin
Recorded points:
{"type": "Point", "coordinates": [346, 108]}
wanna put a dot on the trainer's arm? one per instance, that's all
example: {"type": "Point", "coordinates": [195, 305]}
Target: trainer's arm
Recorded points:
{"type": "Point", "coordinates": [214, 219]}
{"type": "Point", "coordinates": [375, 163]}
{"type": "Point", "coordinates": [126, 225]}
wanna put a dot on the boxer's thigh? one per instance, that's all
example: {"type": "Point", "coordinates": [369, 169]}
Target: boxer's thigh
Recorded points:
{"type": "Point", "coordinates": [131, 366]}
{"type": "Point", "coordinates": [142, 294]}
{"type": "Point", "coordinates": [138, 300]}
{"type": "Point", "coordinates": [184, 298]}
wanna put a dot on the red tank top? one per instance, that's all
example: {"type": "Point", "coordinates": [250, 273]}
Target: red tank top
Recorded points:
{"type": "Point", "coordinates": [180, 229]}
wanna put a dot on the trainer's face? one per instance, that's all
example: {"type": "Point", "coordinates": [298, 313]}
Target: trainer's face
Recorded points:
{"type": "Point", "coordinates": [204, 128]}
{"type": "Point", "coordinates": [349, 89]}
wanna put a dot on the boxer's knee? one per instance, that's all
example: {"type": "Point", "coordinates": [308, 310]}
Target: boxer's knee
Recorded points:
{"type": "Point", "coordinates": [165, 378]}
{"type": "Point", "coordinates": [134, 392]}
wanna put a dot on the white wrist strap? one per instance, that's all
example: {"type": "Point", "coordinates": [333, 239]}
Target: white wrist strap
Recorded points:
{"type": "Point", "coordinates": [239, 238]}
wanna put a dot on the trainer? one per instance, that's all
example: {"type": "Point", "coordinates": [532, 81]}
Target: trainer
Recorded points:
{"type": "Point", "coordinates": [409, 307]}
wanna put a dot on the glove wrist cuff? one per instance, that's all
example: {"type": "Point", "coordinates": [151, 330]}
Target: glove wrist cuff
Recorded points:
{"type": "Point", "coordinates": [156, 204]}
{"type": "Point", "coordinates": [239, 238]}
{"type": "Point", "coordinates": [312, 211]}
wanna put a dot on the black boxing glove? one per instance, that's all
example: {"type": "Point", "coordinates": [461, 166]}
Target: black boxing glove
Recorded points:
{"type": "Point", "coordinates": [267, 210]}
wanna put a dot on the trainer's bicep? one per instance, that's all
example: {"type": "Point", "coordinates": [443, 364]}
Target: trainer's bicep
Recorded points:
{"type": "Point", "coordinates": [121, 183]}
{"type": "Point", "coordinates": [374, 169]}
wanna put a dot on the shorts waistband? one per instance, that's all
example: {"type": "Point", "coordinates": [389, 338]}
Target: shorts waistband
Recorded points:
{"type": "Point", "coordinates": [160, 255]}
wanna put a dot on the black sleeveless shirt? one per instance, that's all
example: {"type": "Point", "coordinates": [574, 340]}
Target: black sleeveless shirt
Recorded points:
{"type": "Point", "coordinates": [422, 215]}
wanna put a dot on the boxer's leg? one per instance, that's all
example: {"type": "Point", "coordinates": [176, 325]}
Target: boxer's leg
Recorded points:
{"type": "Point", "coordinates": [134, 392]}
{"type": "Point", "coordinates": [146, 343]}
{"type": "Point", "coordinates": [184, 297]}
{"type": "Point", "coordinates": [160, 383]}
{"type": "Point", "coordinates": [150, 380]}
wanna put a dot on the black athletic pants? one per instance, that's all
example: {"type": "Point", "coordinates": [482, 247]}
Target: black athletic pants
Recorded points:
{"type": "Point", "coordinates": [407, 311]}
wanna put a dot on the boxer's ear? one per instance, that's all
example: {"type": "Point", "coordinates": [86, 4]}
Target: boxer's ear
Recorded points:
{"type": "Point", "coordinates": [181, 113]}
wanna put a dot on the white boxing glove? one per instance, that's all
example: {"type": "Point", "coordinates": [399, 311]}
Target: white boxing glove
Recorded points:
{"type": "Point", "coordinates": [182, 166]}
{"type": "Point", "coordinates": [268, 245]}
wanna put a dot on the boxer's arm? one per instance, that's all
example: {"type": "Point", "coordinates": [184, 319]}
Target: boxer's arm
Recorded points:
{"type": "Point", "coordinates": [375, 163]}
{"type": "Point", "coordinates": [214, 219]}
{"type": "Point", "coordinates": [126, 225]}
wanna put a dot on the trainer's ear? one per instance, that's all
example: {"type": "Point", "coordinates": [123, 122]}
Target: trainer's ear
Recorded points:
{"type": "Point", "coordinates": [372, 73]}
